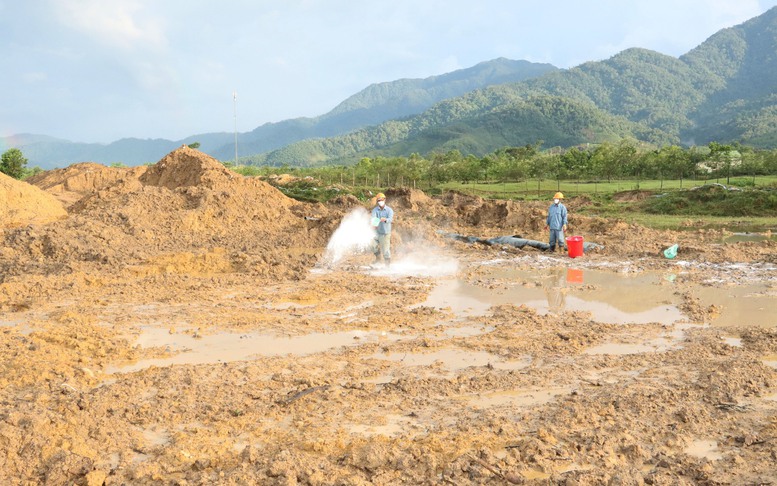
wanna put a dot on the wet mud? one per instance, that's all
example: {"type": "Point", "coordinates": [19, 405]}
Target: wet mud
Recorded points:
{"type": "Point", "coordinates": [182, 326]}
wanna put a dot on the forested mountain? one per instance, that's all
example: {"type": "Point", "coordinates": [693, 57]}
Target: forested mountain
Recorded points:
{"type": "Point", "coordinates": [375, 104]}
{"type": "Point", "coordinates": [384, 101]}
{"type": "Point", "coordinates": [723, 90]}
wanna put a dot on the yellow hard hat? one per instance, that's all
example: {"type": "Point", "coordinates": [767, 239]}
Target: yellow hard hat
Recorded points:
{"type": "Point", "coordinates": [380, 196]}
{"type": "Point", "coordinates": [558, 195]}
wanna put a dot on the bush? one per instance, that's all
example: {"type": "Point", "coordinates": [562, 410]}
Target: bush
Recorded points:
{"type": "Point", "coordinates": [13, 163]}
{"type": "Point", "coordinates": [714, 200]}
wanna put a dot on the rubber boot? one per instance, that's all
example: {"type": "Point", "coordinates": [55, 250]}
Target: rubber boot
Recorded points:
{"type": "Point", "coordinates": [388, 262]}
{"type": "Point", "coordinates": [377, 258]}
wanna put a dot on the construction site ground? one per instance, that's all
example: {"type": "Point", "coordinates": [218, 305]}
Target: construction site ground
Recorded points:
{"type": "Point", "coordinates": [182, 324]}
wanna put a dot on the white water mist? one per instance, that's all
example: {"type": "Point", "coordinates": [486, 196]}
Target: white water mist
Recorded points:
{"type": "Point", "coordinates": [354, 235]}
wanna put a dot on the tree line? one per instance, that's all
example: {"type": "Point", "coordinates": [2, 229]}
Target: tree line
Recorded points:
{"type": "Point", "coordinates": [626, 159]}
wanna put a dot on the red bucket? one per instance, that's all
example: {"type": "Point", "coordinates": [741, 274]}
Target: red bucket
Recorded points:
{"type": "Point", "coordinates": [575, 246]}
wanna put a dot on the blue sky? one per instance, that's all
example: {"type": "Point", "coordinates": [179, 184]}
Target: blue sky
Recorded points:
{"type": "Point", "coordinates": [101, 70]}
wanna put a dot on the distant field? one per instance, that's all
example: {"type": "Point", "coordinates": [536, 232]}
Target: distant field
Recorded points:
{"type": "Point", "coordinates": [740, 212]}
{"type": "Point", "coordinates": [532, 190]}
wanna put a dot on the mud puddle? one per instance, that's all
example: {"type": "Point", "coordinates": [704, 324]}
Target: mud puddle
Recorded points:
{"type": "Point", "coordinates": [667, 341]}
{"type": "Point", "coordinates": [704, 449]}
{"type": "Point", "coordinates": [227, 347]}
{"type": "Point", "coordinates": [745, 236]}
{"type": "Point", "coordinates": [648, 297]}
{"type": "Point", "coordinates": [741, 304]}
{"type": "Point", "coordinates": [607, 296]}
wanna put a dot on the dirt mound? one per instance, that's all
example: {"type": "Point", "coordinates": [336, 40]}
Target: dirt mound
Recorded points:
{"type": "Point", "coordinates": [511, 216]}
{"type": "Point", "coordinates": [23, 204]}
{"type": "Point", "coordinates": [185, 167]}
{"type": "Point", "coordinates": [632, 195]}
{"type": "Point", "coordinates": [288, 179]}
{"type": "Point", "coordinates": [407, 199]}
{"type": "Point", "coordinates": [187, 204]}
{"type": "Point", "coordinates": [72, 183]}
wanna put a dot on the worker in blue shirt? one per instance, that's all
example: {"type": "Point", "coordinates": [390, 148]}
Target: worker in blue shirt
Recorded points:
{"type": "Point", "coordinates": [557, 222]}
{"type": "Point", "coordinates": [382, 217]}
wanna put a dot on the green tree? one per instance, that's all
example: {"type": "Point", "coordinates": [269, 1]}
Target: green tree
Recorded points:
{"type": "Point", "coordinates": [194, 145]}
{"type": "Point", "coordinates": [13, 163]}
{"type": "Point", "coordinates": [604, 161]}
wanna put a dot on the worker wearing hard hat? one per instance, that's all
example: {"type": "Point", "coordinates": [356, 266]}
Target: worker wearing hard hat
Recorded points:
{"type": "Point", "coordinates": [557, 222]}
{"type": "Point", "coordinates": [382, 217]}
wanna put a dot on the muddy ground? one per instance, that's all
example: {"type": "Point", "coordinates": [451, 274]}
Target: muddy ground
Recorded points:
{"type": "Point", "coordinates": [302, 372]}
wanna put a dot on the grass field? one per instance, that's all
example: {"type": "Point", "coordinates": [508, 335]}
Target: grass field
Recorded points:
{"type": "Point", "coordinates": [746, 211]}
{"type": "Point", "coordinates": [532, 190]}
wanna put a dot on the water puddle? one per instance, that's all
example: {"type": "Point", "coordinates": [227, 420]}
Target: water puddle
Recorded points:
{"type": "Point", "coordinates": [607, 296]}
{"type": "Point", "coordinates": [732, 341]}
{"type": "Point", "coordinates": [10, 323]}
{"type": "Point", "coordinates": [770, 360]}
{"type": "Point", "coordinates": [740, 305]}
{"type": "Point", "coordinates": [704, 449]}
{"type": "Point", "coordinates": [755, 237]}
{"type": "Point", "coordinates": [665, 342]}
{"type": "Point", "coordinates": [537, 474]}
{"type": "Point", "coordinates": [228, 347]}
{"type": "Point", "coordinates": [23, 330]}
{"type": "Point", "coordinates": [453, 359]}
{"type": "Point", "coordinates": [18, 325]}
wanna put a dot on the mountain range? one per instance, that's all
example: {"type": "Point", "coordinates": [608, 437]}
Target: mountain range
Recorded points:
{"type": "Point", "coordinates": [723, 90]}
{"type": "Point", "coordinates": [373, 105]}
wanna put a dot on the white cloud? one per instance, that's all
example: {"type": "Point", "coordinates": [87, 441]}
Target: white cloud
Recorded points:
{"type": "Point", "coordinates": [117, 23]}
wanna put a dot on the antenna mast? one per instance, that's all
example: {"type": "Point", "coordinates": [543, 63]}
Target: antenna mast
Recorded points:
{"type": "Point", "coordinates": [234, 110]}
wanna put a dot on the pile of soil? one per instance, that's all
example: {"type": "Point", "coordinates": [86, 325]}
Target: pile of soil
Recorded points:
{"type": "Point", "coordinates": [185, 206]}
{"type": "Point", "coordinates": [72, 183]}
{"type": "Point", "coordinates": [631, 195]}
{"type": "Point", "coordinates": [22, 204]}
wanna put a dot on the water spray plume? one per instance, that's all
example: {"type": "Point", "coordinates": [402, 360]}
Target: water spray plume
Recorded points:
{"type": "Point", "coordinates": [354, 235]}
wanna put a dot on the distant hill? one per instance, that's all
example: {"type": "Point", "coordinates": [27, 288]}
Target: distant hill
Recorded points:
{"type": "Point", "coordinates": [723, 90]}
{"type": "Point", "coordinates": [384, 101]}
{"type": "Point", "coordinates": [375, 104]}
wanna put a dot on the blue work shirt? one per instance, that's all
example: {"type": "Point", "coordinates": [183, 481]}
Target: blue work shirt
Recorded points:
{"type": "Point", "coordinates": [384, 227]}
{"type": "Point", "coordinates": [557, 216]}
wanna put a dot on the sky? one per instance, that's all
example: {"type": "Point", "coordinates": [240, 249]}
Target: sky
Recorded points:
{"type": "Point", "coordinates": [101, 70]}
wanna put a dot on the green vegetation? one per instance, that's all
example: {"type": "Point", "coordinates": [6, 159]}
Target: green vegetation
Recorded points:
{"type": "Point", "coordinates": [721, 91]}
{"type": "Point", "coordinates": [714, 200]}
{"type": "Point", "coordinates": [661, 188]}
{"type": "Point", "coordinates": [14, 164]}
{"type": "Point", "coordinates": [527, 165]}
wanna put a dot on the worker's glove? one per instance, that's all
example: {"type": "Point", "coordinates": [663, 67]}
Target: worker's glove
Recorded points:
{"type": "Point", "coordinates": [565, 227]}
